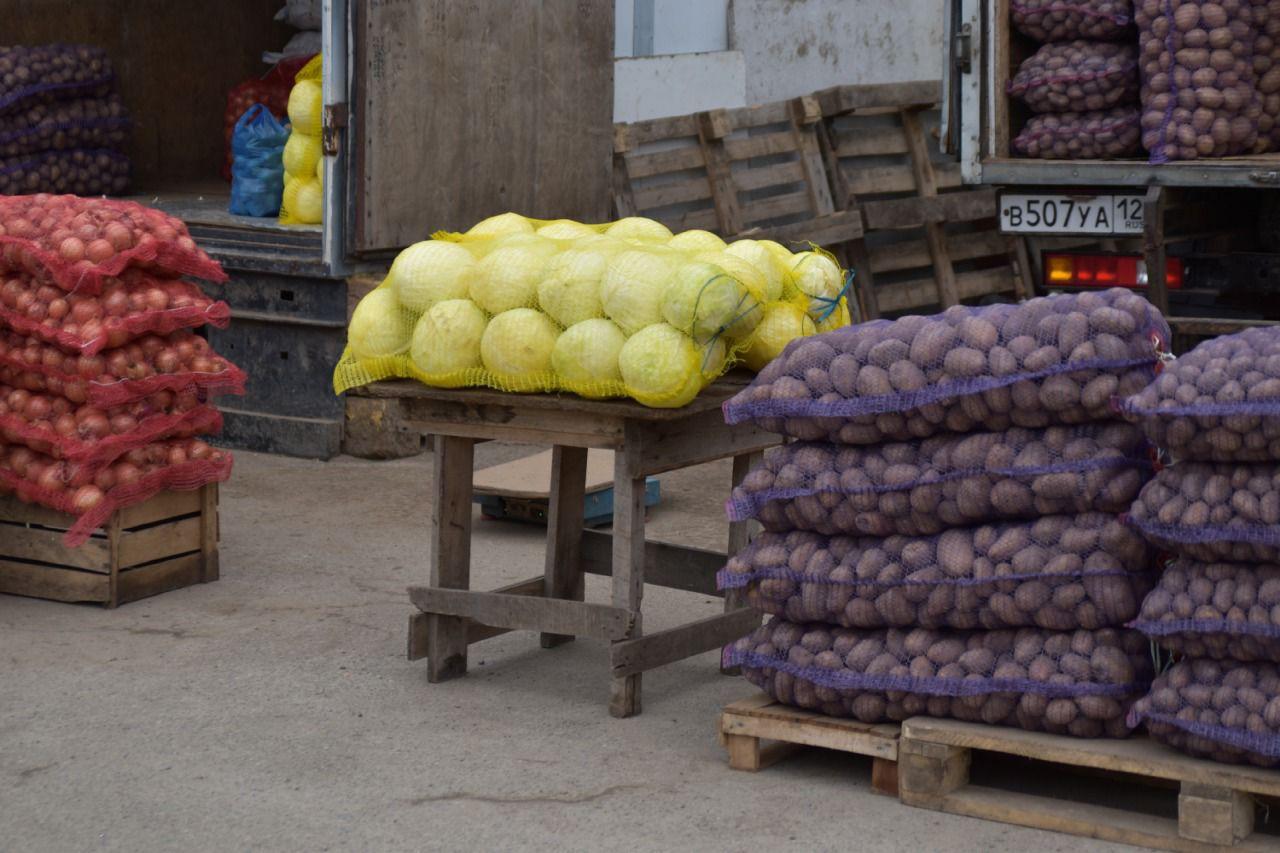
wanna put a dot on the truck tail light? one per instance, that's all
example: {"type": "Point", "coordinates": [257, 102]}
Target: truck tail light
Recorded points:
{"type": "Point", "coordinates": [1066, 269]}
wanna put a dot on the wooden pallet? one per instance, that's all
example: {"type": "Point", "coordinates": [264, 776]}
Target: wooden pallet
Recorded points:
{"type": "Point", "coordinates": [929, 241]}
{"type": "Point", "coordinates": [1215, 803]}
{"type": "Point", "coordinates": [744, 724]}
{"type": "Point", "coordinates": [165, 543]}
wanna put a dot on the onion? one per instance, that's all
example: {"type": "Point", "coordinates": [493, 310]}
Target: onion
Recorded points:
{"type": "Point", "coordinates": [53, 478]}
{"type": "Point", "coordinates": [38, 408]}
{"type": "Point", "coordinates": [177, 455]}
{"type": "Point", "coordinates": [122, 424]}
{"type": "Point", "coordinates": [126, 473]}
{"type": "Point", "coordinates": [65, 425]}
{"type": "Point", "coordinates": [105, 479]}
{"type": "Point", "coordinates": [71, 249]}
{"type": "Point", "coordinates": [199, 450]}
{"type": "Point", "coordinates": [116, 303]}
{"type": "Point", "coordinates": [93, 425]}
{"type": "Point", "coordinates": [86, 498]}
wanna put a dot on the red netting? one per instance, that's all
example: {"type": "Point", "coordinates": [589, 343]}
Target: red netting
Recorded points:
{"type": "Point", "coordinates": [128, 307]}
{"type": "Point", "coordinates": [79, 243]}
{"type": "Point", "coordinates": [182, 361]}
{"type": "Point", "coordinates": [180, 465]}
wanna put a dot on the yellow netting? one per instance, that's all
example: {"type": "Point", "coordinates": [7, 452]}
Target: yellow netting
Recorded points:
{"type": "Point", "coordinates": [303, 200]}
{"type": "Point", "coordinates": [619, 309]}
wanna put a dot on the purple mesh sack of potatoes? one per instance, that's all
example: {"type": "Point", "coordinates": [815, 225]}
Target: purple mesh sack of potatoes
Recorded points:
{"type": "Point", "coordinates": [75, 123]}
{"type": "Point", "coordinates": [79, 172]}
{"type": "Point", "coordinates": [1107, 135]}
{"type": "Point", "coordinates": [1049, 360]}
{"type": "Point", "coordinates": [924, 487]}
{"type": "Point", "coordinates": [1219, 402]}
{"type": "Point", "coordinates": [1076, 682]}
{"type": "Point", "coordinates": [1215, 610]}
{"type": "Point", "coordinates": [1063, 20]}
{"type": "Point", "coordinates": [1077, 77]}
{"type": "Point", "coordinates": [1060, 572]}
{"type": "Point", "coordinates": [1212, 511]}
{"type": "Point", "coordinates": [1266, 72]}
{"type": "Point", "coordinates": [1199, 97]}
{"type": "Point", "coordinates": [1225, 711]}
{"type": "Point", "coordinates": [44, 73]}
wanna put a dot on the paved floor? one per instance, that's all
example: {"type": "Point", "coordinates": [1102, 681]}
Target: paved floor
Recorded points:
{"type": "Point", "coordinates": [274, 710]}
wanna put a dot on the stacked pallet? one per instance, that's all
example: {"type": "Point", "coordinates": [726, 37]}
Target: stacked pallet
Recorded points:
{"type": "Point", "coordinates": [104, 384]}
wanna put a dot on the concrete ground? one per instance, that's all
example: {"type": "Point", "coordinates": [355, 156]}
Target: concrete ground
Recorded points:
{"type": "Point", "coordinates": [275, 710]}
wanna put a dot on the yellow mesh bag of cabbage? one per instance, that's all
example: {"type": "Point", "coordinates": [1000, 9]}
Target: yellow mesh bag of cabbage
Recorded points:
{"type": "Point", "coordinates": [619, 309]}
{"type": "Point", "coordinates": [303, 199]}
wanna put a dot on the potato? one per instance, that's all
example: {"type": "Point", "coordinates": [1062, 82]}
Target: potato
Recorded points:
{"type": "Point", "coordinates": [1050, 360]}
{"type": "Point", "coordinates": [889, 675]}
{"type": "Point", "coordinates": [1112, 134]}
{"type": "Point", "coordinates": [1077, 76]}
{"type": "Point", "coordinates": [923, 487]}
{"type": "Point", "coordinates": [1224, 711]}
{"type": "Point", "coordinates": [1211, 511]}
{"type": "Point", "coordinates": [1051, 20]}
{"type": "Point", "coordinates": [1240, 422]}
{"type": "Point", "coordinates": [992, 576]}
{"type": "Point", "coordinates": [1234, 617]}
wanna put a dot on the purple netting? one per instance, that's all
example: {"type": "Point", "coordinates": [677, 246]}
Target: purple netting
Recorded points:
{"type": "Point", "coordinates": [78, 123]}
{"type": "Point", "coordinates": [1219, 402]}
{"type": "Point", "coordinates": [1213, 511]}
{"type": "Point", "coordinates": [52, 72]}
{"type": "Point", "coordinates": [1050, 360]}
{"type": "Point", "coordinates": [1108, 135]}
{"type": "Point", "coordinates": [1198, 92]}
{"type": "Point", "coordinates": [1079, 683]}
{"type": "Point", "coordinates": [1056, 20]}
{"type": "Point", "coordinates": [1078, 77]}
{"type": "Point", "coordinates": [1215, 610]}
{"type": "Point", "coordinates": [82, 173]}
{"type": "Point", "coordinates": [1057, 573]}
{"type": "Point", "coordinates": [925, 487]}
{"type": "Point", "coordinates": [1266, 70]}
{"type": "Point", "coordinates": [1221, 710]}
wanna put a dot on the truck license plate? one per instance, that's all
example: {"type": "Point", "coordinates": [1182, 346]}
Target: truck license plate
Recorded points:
{"type": "Point", "coordinates": [1061, 214]}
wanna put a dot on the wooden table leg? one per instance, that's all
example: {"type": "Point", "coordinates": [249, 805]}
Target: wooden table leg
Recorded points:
{"type": "Point", "coordinates": [628, 565]}
{"type": "Point", "coordinates": [453, 460]}
{"type": "Point", "coordinates": [740, 533]}
{"type": "Point", "coordinates": [563, 571]}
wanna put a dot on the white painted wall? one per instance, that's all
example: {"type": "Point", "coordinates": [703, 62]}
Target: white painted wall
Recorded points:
{"type": "Point", "coordinates": [793, 47]}
{"type": "Point", "coordinates": [656, 86]}
{"type": "Point", "coordinates": [679, 26]}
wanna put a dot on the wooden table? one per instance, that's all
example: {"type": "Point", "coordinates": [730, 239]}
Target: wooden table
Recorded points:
{"type": "Point", "coordinates": [645, 442]}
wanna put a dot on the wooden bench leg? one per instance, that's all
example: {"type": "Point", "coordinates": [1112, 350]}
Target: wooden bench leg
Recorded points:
{"type": "Point", "coordinates": [563, 570]}
{"type": "Point", "coordinates": [628, 568]}
{"type": "Point", "coordinates": [740, 534]}
{"type": "Point", "coordinates": [1214, 815]}
{"type": "Point", "coordinates": [744, 752]}
{"type": "Point", "coordinates": [453, 460]}
{"type": "Point", "coordinates": [884, 777]}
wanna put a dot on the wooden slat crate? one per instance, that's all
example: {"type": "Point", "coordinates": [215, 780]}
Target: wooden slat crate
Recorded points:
{"type": "Point", "coordinates": [1214, 806]}
{"type": "Point", "coordinates": [744, 724]}
{"type": "Point", "coordinates": [165, 543]}
{"type": "Point", "coordinates": [928, 240]}
{"type": "Point", "coordinates": [754, 171]}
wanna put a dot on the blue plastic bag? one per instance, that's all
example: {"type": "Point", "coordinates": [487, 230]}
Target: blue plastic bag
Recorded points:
{"type": "Point", "coordinates": [257, 165]}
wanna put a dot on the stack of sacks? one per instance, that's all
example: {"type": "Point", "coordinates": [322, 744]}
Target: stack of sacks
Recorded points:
{"type": "Point", "coordinates": [303, 201]}
{"type": "Point", "coordinates": [620, 309]}
{"type": "Point", "coordinates": [1216, 411]}
{"type": "Point", "coordinates": [915, 565]}
{"type": "Point", "coordinates": [103, 383]}
{"type": "Point", "coordinates": [1082, 84]}
{"type": "Point", "coordinates": [62, 125]}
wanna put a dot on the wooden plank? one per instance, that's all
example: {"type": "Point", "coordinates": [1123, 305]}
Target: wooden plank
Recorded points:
{"type": "Point", "coordinates": [805, 117]}
{"type": "Point", "coordinates": [523, 612]}
{"type": "Point", "coordinates": [740, 532]}
{"type": "Point", "coordinates": [666, 565]}
{"type": "Point", "coordinates": [114, 530]}
{"type": "Point", "coordinates": [162, 506]}
{"type": "Point", "coordinates": [628, 563]}
{"type": "Point", "coordinates": [702, 438]}
{"type": "Point", "coordinates": [1137, 755]}
{"type": "Point", "coordinates": [776, 207]}
{"type": "Point", "coordinates": [878, 180]}
{"type": "Point", "coordinates": [157, 578]}
{"type": "Point", "coordinates": [1002, 61]}
{"type": "Point", "coordinates": [160, 540]}
{"type": "Point", "coordinates": [1214, 815]}
{"type": "Point", "coordinates": [209, 532]}
{"type": "Point", "coordinates": [779, 174]}
{"type": "Point", "coordinates": [52, 583]}
{"type": "Point", "coordinates": [927, 187]}
{"type": "Point", "coordinates": [651, 651]}
{"type": "Point", "coordinates": [450, 549]}
{"type": "Point", "coordinates": [711, 131]}
{"type": "Point", "coordinates": [904, 213]}
{"type": "Point", "coordinates": [647, 164]}
{"type": "Point", "coordinates": [758, 115]}
{"type": "Point", "coordinates": [530, 477]}
{"type": "Point", "coordinates": [453, 88]}
{"type": "Point", "coordinates": [845, 99]}
{"type": "Point", "coordinates": [760, 145]}
{"type": "Point", "coordinates": [843, 226]}
{"type": "Point", "coordinates": [798, 726]}
{"type": "Point", "coordinates": [562, 573]}
{"type": "Point", "coordinates": [419, 622]}
{"type": "Point", "coordinates": [665, 195]}
{"type": "Point", "coordinates": [655, 129]}
{"type": "Point", "coordinates": [624, 202]}
{"type": "Point", "coordinates": [36, 543]}
{"type": "Point", "coordinates": [859, 141]}
{"type": "Point", "coordinates": [901, 296]}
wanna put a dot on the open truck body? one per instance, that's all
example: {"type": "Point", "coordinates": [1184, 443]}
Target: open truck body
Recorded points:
{"type": "Point", "coordinates": [1204, 230]}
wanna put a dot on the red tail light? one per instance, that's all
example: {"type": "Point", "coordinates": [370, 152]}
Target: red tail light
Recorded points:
{"type": "Point", "coordinates": [1066, 269]}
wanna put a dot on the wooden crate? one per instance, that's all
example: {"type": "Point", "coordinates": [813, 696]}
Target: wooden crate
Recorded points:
{"type": "Point", "coordinates": [750, 171]}
{"type": "Point", "coordinates": [1215, 802]}
{"type": "Point", "coordinates": [165, 543]}
{"type": "Point", "coordinates": [744, 724]}
{"type": "Point", "coordinates": [929, 241]}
